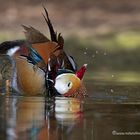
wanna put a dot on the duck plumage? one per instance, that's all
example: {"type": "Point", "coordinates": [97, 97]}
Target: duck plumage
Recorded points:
{"type": "Point", "coordinates": [38, 61]}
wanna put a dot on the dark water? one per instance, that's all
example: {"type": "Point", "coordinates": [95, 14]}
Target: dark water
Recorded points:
{"type": "Point", "coordinates": [111, 112]}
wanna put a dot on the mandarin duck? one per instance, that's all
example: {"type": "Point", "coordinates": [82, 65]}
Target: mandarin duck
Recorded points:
{"type": "Point", "coordinates": [42, 66]}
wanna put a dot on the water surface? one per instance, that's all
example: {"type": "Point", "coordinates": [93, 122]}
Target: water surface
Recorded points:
{"type": "Point", "coordinates": [111, 112]}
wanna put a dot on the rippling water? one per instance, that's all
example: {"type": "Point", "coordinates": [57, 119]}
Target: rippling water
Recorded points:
{"type": "Point", "coordinates": [110, 112]}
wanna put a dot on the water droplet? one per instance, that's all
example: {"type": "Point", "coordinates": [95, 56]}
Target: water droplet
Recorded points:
{"type": "Point", "coordinates": [111, 90]}
{"type": "Point", "coordinates": [96, 52]}
{"type": "Point", "coordinates": [112, 76]}
{"type": "Point", "coordinates": [85, 53]}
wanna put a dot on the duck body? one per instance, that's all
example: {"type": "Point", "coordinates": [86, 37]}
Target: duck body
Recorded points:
{"type": "Point", "coordinates": [41, 64]}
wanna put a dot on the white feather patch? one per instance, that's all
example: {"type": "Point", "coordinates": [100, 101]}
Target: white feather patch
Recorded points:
{"type": "Point", "coordinates": [11, 51]}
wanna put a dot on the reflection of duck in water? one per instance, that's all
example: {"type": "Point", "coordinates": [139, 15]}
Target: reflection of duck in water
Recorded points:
{"type": "Point", "coordinates": [68, 114]}
{"type": "Point", "coordinates": [42, 64]}
{"type": "Point", "coordinates": [25, 117]}
{"type": "Point", "coordinates": [67, 110]}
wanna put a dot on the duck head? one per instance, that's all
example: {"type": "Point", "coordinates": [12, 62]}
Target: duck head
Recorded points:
{"type": "Point", "coordinates": [69, 83]}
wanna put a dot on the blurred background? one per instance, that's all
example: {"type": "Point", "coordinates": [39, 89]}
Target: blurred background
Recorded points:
{"type": "Point", "coordinates": [105, 34]}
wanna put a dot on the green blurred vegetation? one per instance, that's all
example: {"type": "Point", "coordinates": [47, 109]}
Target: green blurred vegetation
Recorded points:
{"type": "Point", "coordinates": [114, 51]}
{"type": "Point", "coordinates": [7, 35]}
{"type": "Point", "coordinates": [114, 77]}
{"type": "Point", "coordinates": [107, 52]}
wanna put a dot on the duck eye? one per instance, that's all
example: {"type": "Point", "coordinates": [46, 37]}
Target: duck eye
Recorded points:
{"type": "Point", "coordinates": [69, 84]}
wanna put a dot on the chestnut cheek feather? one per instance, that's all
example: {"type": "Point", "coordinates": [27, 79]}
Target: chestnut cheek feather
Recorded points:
{"type": "Point", "coordinates": [73, 90]}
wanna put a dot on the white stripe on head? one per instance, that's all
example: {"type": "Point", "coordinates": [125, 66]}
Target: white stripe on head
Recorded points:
{"type": "Point", "coordinates": [62, 83]}
{"type": "Point", "coordinates": [11, 51]}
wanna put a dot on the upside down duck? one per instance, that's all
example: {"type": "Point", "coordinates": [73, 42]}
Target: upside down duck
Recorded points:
{"type": "Point", "coordinates": [42, 66]}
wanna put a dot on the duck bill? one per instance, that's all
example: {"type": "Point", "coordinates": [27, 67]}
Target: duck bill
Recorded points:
{"type": "Point", "coordinates": [80, 73]}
